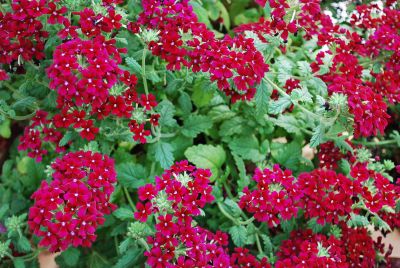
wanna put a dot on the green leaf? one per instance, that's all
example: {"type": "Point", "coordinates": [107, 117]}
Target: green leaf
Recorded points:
{"type": "Point", "coordinates": [134, 65]}
{"type": "Point", "coordinates": [268, 246]}
{"type": "Point", "coordinates": [19, 263]}
{"type": "Point", "coordinates": [23, 244]}
{"type": "Point", "coordinates": [239, 235]}
{"type": "Point", "coordinates": [318, 85]}
{"type": "Point", "coordinates": [357, 221]}
{"type": "Point", "coordinates": [301, 94]}
{"type": "Point", "coordinates": [232, 126]}
{"type": "Point", "coordinates": [203, 92]}
{"type": "Point", "coordinates": [287, 154]}
{"type": "Point", "coordinates": [262, 97]}
{"type": "Point", "coordinates": [131, 175]}
{"type": "Point", "coordinates": [244, 179]}
{"type": "Point", "coordinates": [288, 122]}
{"type": "Point", "coordinates": [207, 156]}
{"type": "Point", "coordinates": [163, 154]}
{"type": "Point", "coordinates": [185, 102]}
{"type": "Point", "coordinates": [68, 136]}
{"type": "Point", "coordinates": [195, 124]}
{"type": "Point", "coordinates": [232, 207]}
{"type": "Point", "coordinates": [123, 214]}
{"type": "Point", "coordinates": [70, 257]}
{"type": "Point", "coordinates": [277, 107]}
{"type": "Point", "coordinates": [28, 103]}
{"type": "Point", "coordinates": [5, 128]}
{"type": "Point", "coordinates": [124, 245]}
{"type": "Point", "coordinates": [247, 147]}
{"type": "Point", "coordinates": [318, 136]}
{"type": "Point", "coordinates": [128, 259]}
{"type": "Point", "coordinates": [304, 68]}
{"type": "Point", "coordinates": [167, 111]}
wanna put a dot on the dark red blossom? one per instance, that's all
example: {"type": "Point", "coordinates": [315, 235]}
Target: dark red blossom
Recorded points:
{"type": "Point", "coordinates": [69, 209]}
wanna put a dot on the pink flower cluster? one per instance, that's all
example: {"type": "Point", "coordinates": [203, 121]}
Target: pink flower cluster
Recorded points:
{"type": "Point", "coordinates": [234, 63]}
{"type": "Point", "coordinates": [68, 210]}
{"type": "Point", "coordinates": [178, 195]}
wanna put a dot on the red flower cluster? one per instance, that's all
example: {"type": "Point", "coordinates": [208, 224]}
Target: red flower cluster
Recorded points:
{"type": "Point", "coordinates": [377, 191]}
{"type": "Point", "coordinates": [68, 210]}
{"type": "Point", "coordinates": [276, 197]}
{"type": "Point", "coordinates": [185, 41]}
{"type": "Point", "coordinates": [306, 249]}
{"type": "Point", "coordinates": [329, 155]}
{"type": "Point", "coordinates": [321, 194]}
{"type": "Point", "coordinates": [326, 195]}
{"type": "Point", "coordinates": [22, 33]}
{"type": "Point", "coordinates": [38, 131]}
{"type": "Point", "coordinates": [179, 194]}
{"type": "Point", "coordinates": [359, 246]}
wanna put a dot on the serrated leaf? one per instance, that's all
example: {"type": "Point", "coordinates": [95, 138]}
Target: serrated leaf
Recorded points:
{"type": "Point", "coordinates": [131, 175]}
{"type": "Point", "coordinates": [232, 126]}
{"type": "Point", "coordinates": [268, 246]}
{"type": "Point", "coordinates": [195, 124]}
{"type": "Point", "coordinates": [288, 155]}
{"type": "Point", "coordinates": [207, 156]}
{"type": "Point", "coordinates": [71, 256]}
{"type": "Point", "coordinates": [277, 107]}
{"type": "Point", "coordinates": [262, 97]}
{"type": "Point", "coordinates": [233, 207]}
{"type": "Point", "coordinates": [318, 85]}
{"type": "Point", "coordinates": [357, 221]}
{"type": "Point", "coordinates": [238, 235]}
{"type": "Point", "coordinates": [301, 94]}
{"type": "Point", "coordinates": [68, 136]}
{"type": "Point", "coordinates": [128, 258]}
{"type": "Point", "coordinates": [164, 154]}
{"type": "Point", "coordinates": [124, 245]}
{"type": "Point", "coordinates": [123, 214]}
{"type": "Point", "coordinates": [247, 147]}
{"type": "Point", "coordinates": [304, 68]}
{"type": "Point", "coordinates": [167, 111]}
{"type": "Point", "coordinates": [23, 244]}
{"type": "Point", "coordinates": [185, 102]}
{"type": "Point", "coordinates": [28, 103]}
{"type": "Point", "coordinates": [318, 136]}
{"type": "Point", "coordinates": [19, 263]}
{"type": "Point", "coordinates": [288, 122]}
{"type": "Point", "coordinates": [134, 65]}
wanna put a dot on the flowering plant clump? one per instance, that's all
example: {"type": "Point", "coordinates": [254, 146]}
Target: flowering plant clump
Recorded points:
{"type": "Point", "coordinates": [182, 133]}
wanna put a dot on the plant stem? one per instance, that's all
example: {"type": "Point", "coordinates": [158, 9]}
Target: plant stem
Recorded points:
{"type": "Point", "coordinates": [127, 195]}
{"type": "Point", "coordinates": [144, 244]}
{"type": "Point", "coordinates": [229, 216]}
{"type": "Point", "coordinates": [375, 143]}
{"type": "Point", "coordinates": [146, 89]}
{"type": "Point", "coordinates": [260, 250]}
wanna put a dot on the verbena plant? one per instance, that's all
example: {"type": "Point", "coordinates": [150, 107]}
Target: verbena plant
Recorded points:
{"type": "Point", "coordinates": [199, 133]}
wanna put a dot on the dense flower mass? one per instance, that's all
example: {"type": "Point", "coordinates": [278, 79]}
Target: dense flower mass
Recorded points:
{"type": "Point", "coordinates": [68, 210]}
{"type": "Point", "coordinates": [178, 196]}
{"type": "Point", "coordinates": [276, 197]}
{"type": "Point", "coordinates": [234, 63]}
{"type": "Point", "coordinates": [243, 92]}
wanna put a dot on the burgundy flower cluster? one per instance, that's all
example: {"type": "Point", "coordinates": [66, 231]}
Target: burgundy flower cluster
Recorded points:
{"type": "Point", "coordinates": [177, 196]}
{"type": "Point", "coordinates": [366, 98]}
{"type": "Point", "coordinates": [68, 210]}
{"type": "Point", "coordinates": [322, 194]}
{"type": "Point", "coordinates": [276, 197]}
{"type": "Point", "coordinates": [39, 131]}
{"type": "Point", "coordinates": [89, 83]}
{"type": "Point", "coordinates": [234, 63]}
{"type": "Point", "coordinates": [306, 249]}
{"type": "Point", "coordinates": [22, 33]}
